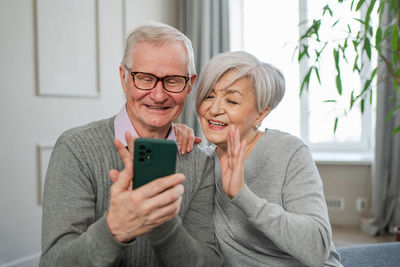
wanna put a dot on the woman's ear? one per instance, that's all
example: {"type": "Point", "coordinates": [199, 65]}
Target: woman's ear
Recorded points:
{"type": "Point", "coordinates": [261, 117]}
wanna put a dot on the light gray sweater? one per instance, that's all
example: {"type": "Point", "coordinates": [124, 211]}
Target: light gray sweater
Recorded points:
{"type": "Point", "coordinates": [279, 218]}
{"type": "Point", "coordinates": [76, 199]}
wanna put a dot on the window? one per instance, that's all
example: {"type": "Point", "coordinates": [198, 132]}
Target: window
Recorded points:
{"type": "Point", "coordinates": [270, 30]}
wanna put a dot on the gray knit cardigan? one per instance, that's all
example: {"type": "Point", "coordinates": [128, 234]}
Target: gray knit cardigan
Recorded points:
{"type": "Point", "coordinates": [76, 200]}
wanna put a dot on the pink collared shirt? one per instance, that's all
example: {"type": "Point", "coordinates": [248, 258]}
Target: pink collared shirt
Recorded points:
{"type": "Point", "coordinates": [122, 123]}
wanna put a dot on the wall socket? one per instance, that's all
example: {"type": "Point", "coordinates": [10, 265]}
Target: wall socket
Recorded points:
{"type": "Point", "coordinates": [334, 203]}
{"type": "Point", "coordinates": [361, 203]}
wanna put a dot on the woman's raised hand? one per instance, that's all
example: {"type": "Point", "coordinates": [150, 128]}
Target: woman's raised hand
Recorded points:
{"type": "Point", "coordinates": [232, 164]}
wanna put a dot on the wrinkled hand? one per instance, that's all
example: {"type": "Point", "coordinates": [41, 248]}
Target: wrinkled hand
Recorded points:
{"type": "Point", "coordinates": [126, 156]}
{"type": "Point", "coordinates": [136, 212]}
{"type": "Point", "coordinates": [185, 138]}
{"type": "Point", "coordinates": [232, 164]}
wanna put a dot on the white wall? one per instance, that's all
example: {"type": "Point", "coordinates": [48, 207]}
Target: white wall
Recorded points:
{"type": "Point", "coordinates": [28, 120]}
{"type": "Point", "coordinates": [349, 181]}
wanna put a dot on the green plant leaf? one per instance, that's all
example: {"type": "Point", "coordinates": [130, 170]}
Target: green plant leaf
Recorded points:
{"type": "Point", "coordinates": [355, 44]}
{"type": "Point", "coordinates": [335, 55]}
{"type": "Point", "coordinates": [362, 105]}
{"type": "Point", "coordinates": [378, 38]}
{"type": "Point", "coordinates": [312, 30]}
{"type": "Point", "coordinates": [327, 9]}
{"type": "Point", "coordinates": [367, 47]}
{"type": "Point", "coordinates": [396, 130]}
{"type": "Point", "coordinates": [394, 5]}
{"type": "Point", "coordinates": [345, 45]}
{"type": "Point", "coordinates": [355, 65]}
{"type": "Point", "coordinates": [374, 73]}
{"type": "Point", "coordinates": [303, 51]}
{"type": "Point", "coordinates": [306, 81]}
{"type": "Point", "coordinates": [338, 78]}
{"type": "Point", "coordinates": [371, 31]}
{"type": "Point", "coordinates": [395, 58]}
{"type": "Point", "coordinates": [319, 52]}
{"type": "Point", "coordinates": [392, 112]}
{"type": "Point", "coordinates": [395, 40]}
{"type": "Point", "coordinates": [368, 14]}
{"type": "Point", "coordinates": [342, 48]}
{"type": "Point", "coordinates": [317, 73]}
{"type": "Point", "coordinates": [387, 31]}
{"type": "Point", "coordinates": [336, 58]}
{"type": "Point", "coordinates": [381, 7]}
{"type": "Point", "coordinates": [366, 86]}
{"type": "Point", "coordinates": [368, 82]}
{"type": "Point", "coordinates": [335, 125]}
{"type": "Point", "coordinates": [334, 24]}
{"type": "Point", "coordinates": [359, 20]}
{"type": "Point", "coordinates": [330, 101]}
{"type": "Point", "coordinates": [352, 100]}
{"type": "Point", "coordinates": [359, 4]}
{"type": "Point", "coordinates": [395, 84]}
{"type": "Point", "coordinates": [339, 84]}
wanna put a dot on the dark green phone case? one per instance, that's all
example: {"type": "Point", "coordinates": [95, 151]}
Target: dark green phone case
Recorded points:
{"type": "Point", "coordinates": [153, 158]}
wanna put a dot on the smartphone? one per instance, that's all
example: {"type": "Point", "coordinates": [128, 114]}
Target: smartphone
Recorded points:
{"type": "Point", "coordinates": [153, 158]}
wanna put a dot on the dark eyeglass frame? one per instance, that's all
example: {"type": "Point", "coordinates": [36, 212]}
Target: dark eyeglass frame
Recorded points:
{"type": "Point", "coordinates": [162, 79]}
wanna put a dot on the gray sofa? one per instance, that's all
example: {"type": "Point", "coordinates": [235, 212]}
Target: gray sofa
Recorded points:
{"type": "Point", "coordinates": [379, 255]}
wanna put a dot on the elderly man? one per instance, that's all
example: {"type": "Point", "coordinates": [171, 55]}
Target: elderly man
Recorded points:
{"type": "Point", "coordinates": [90, 221]}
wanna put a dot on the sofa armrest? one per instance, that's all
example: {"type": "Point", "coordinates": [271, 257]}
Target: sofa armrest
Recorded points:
{"type": "Point", "coordinates": [379, 254]}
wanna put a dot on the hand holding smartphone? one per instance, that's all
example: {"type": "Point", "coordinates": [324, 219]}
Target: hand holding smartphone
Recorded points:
{"type": "Point", "coordinates": [153, 158]}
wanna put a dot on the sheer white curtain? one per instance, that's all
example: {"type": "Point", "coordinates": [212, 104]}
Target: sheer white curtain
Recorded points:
{"type": "Point", "coordinates": [206, 23]}
{"type": "Point", "coordinates": [385, 206]}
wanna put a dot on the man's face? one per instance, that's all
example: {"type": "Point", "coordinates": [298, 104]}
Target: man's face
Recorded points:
{"type": "Point", "coordinates": [152, 111]}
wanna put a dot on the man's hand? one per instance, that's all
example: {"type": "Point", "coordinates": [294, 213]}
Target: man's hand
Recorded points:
{"type": "Point", "coordinates": [136, 212]}
{"type": "Point", "coordinates": [185, 138]}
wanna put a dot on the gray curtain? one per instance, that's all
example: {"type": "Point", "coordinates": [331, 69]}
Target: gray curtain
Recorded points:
{"type": "Point", "coordinates": [206, 23]}
{"type": "Point", "coordinates": [385, 205]}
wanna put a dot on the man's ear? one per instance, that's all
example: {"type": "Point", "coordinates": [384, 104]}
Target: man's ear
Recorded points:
{"type": "Point", "coordinates": [122, 77]}
{"type": "Point", "coordinates": [191, 81]}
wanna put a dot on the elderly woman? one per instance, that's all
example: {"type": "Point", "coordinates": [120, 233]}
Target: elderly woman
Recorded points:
{"type": "Point", "coordinates": [269, 204]}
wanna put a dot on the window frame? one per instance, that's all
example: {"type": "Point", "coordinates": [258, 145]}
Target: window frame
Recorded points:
{"type": "Point", "coordinates": [365, 145]}
{"type": "Point", "coordinates": [362, 149]}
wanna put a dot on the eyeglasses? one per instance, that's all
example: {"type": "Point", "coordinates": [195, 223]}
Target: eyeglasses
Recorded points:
{"type": "Point", "coordinates": [147, 81]}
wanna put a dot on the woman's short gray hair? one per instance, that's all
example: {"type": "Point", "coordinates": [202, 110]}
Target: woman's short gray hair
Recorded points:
{"type": "Point", "coordinates": [157, 33]}
{"type": "Point", "coordinates": [266, 80]}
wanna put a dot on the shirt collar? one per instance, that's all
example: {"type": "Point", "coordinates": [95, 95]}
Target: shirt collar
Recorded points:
{"type": "Point", "coordinates": [122, 124]}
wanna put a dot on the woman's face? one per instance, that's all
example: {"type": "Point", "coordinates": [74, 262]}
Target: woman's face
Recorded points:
{"type": "Point", "coordinates": [226, 107]}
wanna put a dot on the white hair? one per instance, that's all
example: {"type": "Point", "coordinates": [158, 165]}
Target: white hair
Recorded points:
{"type": "Point", "coordinates": [157, 33]}
{"type": "Point", "coordinates": [266, 80]}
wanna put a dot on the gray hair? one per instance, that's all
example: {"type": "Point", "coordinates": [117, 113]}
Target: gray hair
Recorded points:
{"type": "Point", "coordinates": [266, 80]}
{"type": "Point", "coordinates": [158, 33]}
